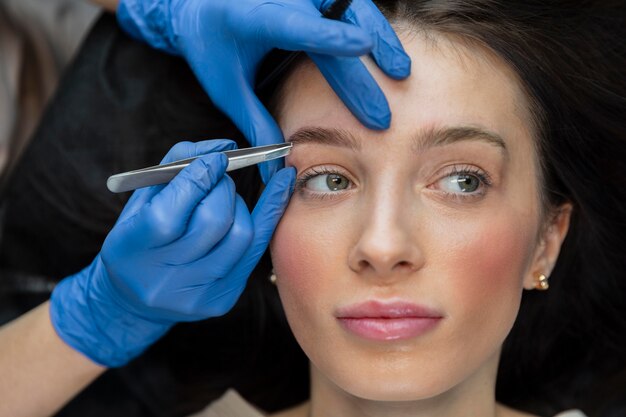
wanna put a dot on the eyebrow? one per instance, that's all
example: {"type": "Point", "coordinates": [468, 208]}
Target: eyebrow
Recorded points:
{"type": "Point", "coordinates": [449, 135]}
{"type": "Point", "coordinates": [421, 141]}
{"type": "Point", "coordinates": [324, 136]}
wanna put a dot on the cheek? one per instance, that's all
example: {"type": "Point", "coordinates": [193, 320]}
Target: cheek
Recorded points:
{"type": "Point", "coordinates": [297, 248]}
{"type": "Point", "coordinates": [306, 254]}
{"type": "Point", "coordinates": [308, 258]}
{"type": "Point", "coordinates": [486, 260]}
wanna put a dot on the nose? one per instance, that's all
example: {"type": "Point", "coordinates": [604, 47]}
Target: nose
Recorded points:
{"type": "Point", "coordinates": [386, 246]}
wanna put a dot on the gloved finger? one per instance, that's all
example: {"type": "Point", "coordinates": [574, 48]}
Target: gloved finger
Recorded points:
{"type": "Point", "coordinates": [180, 150]}
{"type": "Point", "coordinates": [387, 50]}
{"type": "Point", "coordinates": [209, 223]}
{"type": "Point", "coordinates": [222, 294]}
{"type": "Point", "coordinates": [212, 296]}
{"type": "Point", "coordinates": [294, 30]}
{"type": "Point", "coordinates": [164, 219]}
{"type": "Point", "coordinates": [183, 150]}
{"type": "Point", "coordinates": [356, 87]}
{"type": "Point", "coordinates": [250, 116]}
{"type": "Point", "coordinates": [265, 216]}
{"type": "Point", "coordinates": [225, 255]}
{"type": "Point", "coordinates": [136, 201]}
{"type": "Point", "coordinates": [218, 296]}
{"type": "Point", "coordinates": [267, 169]}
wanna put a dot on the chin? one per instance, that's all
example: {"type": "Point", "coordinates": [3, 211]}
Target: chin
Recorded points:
{"type": "Point", "coordinates": [394, 391]}
{"type": "Point", "coordinates": [391, 385]}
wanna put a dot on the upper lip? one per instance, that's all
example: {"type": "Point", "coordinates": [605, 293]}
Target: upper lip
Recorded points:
{"type": "Point", "coordinates": [390, 310]}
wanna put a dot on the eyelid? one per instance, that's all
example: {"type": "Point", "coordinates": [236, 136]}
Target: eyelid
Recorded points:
{"type": "Point", "coordinates": [323, 169]}
{"type": "Point", "coordinates": [483, 176]}
{"type": "Point", "coordinates": [312, 172]}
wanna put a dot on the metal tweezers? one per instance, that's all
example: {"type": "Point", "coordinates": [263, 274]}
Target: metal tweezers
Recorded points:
{"type": "Point", "coordinates": [161, 174]}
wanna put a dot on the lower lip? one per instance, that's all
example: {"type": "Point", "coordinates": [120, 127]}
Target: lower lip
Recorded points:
{"type": "Point", "coordinates": [398, 328]}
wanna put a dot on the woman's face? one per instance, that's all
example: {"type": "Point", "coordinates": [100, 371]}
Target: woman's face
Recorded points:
{"type": "Point", "coordinates": [403, 253]}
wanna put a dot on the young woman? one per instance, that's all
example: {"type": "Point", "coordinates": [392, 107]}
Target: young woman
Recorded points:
{"type": "Point", "coordinates": [403, 256]}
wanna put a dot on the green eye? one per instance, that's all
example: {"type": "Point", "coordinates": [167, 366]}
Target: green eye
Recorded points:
{"type": "Point", "coordinates": [322, 183]}
{"type": "Point", "coordinates": [336, 182]}
{"type": "Point", "coordinates": [460, 183]}
{"type": "Point", "coordinates": [465, 183]}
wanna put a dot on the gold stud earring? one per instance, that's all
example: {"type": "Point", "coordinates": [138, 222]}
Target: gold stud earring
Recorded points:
{"type": "Point", "coordinates": [541, 282]}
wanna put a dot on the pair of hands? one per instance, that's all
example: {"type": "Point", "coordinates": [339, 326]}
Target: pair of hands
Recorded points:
{"type": "Point", "coordinates": [184, 252]}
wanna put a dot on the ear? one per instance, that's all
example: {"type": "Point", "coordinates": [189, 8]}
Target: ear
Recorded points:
{"type": "Point", "coordinates": [551, 239]}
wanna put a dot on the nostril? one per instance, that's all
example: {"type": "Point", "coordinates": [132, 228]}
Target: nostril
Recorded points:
{"type": "Point", "coordinates": [404, 266]}
{"type": "Point", "coordinates": [363, 264]}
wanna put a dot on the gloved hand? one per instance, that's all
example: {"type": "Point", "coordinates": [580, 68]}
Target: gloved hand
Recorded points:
{"type": "Point", "coordinates": [179, 252]}
{"type": "Point", "coordinates": [225, 40]}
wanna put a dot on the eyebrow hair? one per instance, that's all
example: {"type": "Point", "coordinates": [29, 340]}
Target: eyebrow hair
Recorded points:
{"type": "Point", "coordinates": [430, 138]}
{"type": "Point", "coordinates": [449, 135]}
{"type": "Point", "coordinates": [325, 136]}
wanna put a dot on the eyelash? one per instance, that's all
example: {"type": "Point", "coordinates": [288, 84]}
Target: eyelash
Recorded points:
{"type": "Point", "coordinates": [483, 177]}
{"type": "Point", "coordinates": [302, 181]}
{"type": "Point", "coordinates": [485, 181]}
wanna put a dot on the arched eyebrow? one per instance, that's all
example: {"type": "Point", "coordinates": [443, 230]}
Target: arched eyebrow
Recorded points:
{"type": "Point", "coordinates": [421, 141]}
{"type": "Point", "coordinates": [325, 136]}
{"type": "Point", "coordinates": [449, 135]}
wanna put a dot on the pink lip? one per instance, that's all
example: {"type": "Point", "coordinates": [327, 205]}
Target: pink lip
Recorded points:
{"type": "Point", "coordinates": [388, 321]}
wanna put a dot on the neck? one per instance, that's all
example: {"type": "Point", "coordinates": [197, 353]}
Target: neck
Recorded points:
{"type": "Point", "coordinates": [475, 396]}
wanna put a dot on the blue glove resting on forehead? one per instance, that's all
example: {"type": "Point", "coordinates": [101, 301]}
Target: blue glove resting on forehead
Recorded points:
{"type": "Point", "coordinates": [224, 42]}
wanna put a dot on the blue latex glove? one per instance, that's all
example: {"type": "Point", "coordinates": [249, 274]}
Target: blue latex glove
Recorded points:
{"type": "Point", "coordinates": [179, 252]}
{"type": "Point", "coordinates": [225, 40]}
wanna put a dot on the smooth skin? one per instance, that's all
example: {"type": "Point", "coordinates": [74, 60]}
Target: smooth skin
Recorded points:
{"type": "Point", "coordinates": [40, 372]}
{"type": "Point", "coordinates": [407, 214]}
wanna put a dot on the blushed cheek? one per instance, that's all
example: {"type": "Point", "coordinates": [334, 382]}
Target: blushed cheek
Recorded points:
{"type": "Point", "coordinates": [300, 256]}
{"type": "Point", "coordinates": [295, 258]}
{"type": "Point", "coordinates": [488, 261]}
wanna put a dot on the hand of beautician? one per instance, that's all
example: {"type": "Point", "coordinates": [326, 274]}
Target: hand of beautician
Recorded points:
{"type": "Point", "coordinates": [225, 40]}
{"type": "Point", "coordinates": [180, 252]}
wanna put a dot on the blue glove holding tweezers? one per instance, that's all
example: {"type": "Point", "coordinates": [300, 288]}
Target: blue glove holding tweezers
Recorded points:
{"type": "Point", "coordinates": [179, 252]}
{"type": "Point", "coordinates": [224, 41]}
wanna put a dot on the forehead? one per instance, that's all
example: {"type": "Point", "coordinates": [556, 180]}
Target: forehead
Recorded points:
{"type": "Point", "coordinates": [452, 83]}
